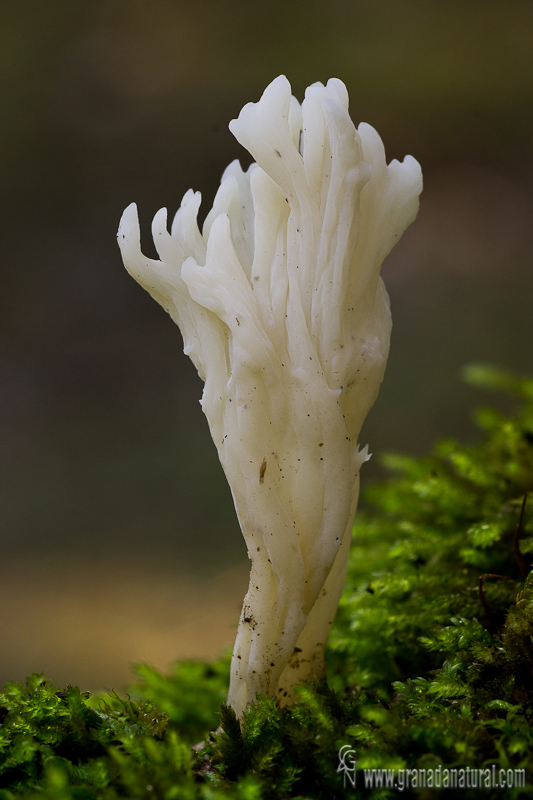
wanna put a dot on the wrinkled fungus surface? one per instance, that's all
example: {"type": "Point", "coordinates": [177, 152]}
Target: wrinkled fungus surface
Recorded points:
{"type": "Point", "coordinates": [282, 310]}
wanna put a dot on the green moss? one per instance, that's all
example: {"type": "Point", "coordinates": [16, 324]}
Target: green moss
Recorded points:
{"type": "Point", "coordinates": [177, 694]}
{"type": "Point", "coordinates": [430, 659]}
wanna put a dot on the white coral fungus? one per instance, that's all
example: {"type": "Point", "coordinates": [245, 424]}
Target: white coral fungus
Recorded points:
{"type": "Point", "coordinates": [285, 316]}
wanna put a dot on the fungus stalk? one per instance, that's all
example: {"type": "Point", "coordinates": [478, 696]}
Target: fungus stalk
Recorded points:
{"type": "Point", "coordinates": [284, 314]}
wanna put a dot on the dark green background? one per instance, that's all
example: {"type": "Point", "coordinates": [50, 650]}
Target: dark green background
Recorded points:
{"type": "Point", "coordinates": [118, 540]}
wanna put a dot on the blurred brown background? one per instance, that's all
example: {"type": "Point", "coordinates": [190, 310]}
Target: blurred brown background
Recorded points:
{"type": "Point", "coordinates": [118, 540]}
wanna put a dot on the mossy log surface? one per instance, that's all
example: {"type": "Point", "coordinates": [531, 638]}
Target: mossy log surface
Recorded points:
{"type": "Point", "coordinates": [429, 662]}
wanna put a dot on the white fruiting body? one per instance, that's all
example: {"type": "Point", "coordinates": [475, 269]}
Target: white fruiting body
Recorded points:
{"type": "Point", "coordinates": [283, 312]}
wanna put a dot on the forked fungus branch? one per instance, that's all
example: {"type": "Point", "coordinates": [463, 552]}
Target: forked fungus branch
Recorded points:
{"type": "Point", "coordinates": [284, 314]}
